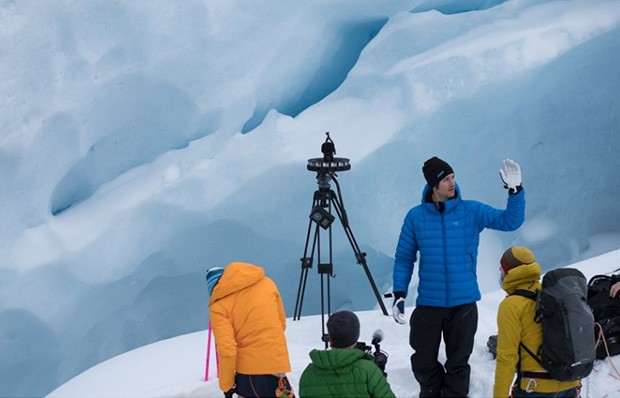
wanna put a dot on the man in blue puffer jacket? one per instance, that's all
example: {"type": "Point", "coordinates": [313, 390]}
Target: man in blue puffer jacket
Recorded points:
{"type": "Point", "coordinates": [445, 230]}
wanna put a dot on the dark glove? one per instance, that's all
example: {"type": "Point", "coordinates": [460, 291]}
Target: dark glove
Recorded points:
{"type": "Point", "coordinates": [398, 309]}
{"type": "Point", "coordinates": [229, 393]}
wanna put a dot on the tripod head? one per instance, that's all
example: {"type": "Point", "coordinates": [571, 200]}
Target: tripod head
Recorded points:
{"type": "Point", "coordinates": [326, 168]}
{"type": "Point", "coordinates": [328, 164]}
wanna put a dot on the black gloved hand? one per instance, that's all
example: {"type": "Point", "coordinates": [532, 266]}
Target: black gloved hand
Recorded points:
{"type": "Point", "coordinates": [229, 393]}
{"type": "Point", "coordinates": [398, 308]}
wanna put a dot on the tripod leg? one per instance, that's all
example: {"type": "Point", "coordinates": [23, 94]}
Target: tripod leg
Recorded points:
{"type": "Point", "coordinates": [306, 263]}
{"type": "Point", "coordinates": [323, 311]}
{"type": "Point", "coordinates": [303, 277]}
{"type": "Point", "coordinates": [360, 257]}
{"type": "Point", "coordinates": [326, 271]}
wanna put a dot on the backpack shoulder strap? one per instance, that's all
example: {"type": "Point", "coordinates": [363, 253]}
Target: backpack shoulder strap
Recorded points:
{"type": "Point", "coordinates": [532, 296]}
{"type": "Point", "coordinates": [524, 293]}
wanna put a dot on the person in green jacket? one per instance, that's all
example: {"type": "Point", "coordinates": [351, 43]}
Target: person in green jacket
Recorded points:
{"type": "Point", "coordinates": [343, 371]}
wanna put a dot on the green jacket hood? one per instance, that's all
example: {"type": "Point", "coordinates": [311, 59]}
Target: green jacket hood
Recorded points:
{"type": "Point", "coordinates": [343, 372]}
{"type": "Point", "coordinates": [337, 358]}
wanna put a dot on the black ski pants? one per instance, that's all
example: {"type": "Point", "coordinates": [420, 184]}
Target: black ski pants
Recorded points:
{"type": "Point", "coordinates": [458, 326]}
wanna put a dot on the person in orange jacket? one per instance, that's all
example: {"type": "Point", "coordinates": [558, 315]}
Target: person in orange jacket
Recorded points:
{"type": "Point", "coordinates": [248, 320]}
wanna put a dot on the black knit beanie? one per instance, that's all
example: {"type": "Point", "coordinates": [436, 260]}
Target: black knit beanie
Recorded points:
{"type": "Point", "coordinates": [343, 328]}
{"type": "Point", "coordinates": [435, 170]}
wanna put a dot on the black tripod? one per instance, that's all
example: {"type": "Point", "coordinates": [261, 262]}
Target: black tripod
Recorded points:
{"type": "Point", "coordinates": [323, 201]}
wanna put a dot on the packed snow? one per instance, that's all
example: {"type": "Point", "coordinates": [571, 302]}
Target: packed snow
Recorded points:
{"type": "Point", "coordinates": [177, 367]}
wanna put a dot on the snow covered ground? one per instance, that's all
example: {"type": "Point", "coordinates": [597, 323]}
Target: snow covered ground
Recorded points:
{"type": "Point", "coordinates": [176, 367]}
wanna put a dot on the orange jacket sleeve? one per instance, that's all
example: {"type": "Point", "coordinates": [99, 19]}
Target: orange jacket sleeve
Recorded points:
{"type": "Point", "coordinates": [226, 347]}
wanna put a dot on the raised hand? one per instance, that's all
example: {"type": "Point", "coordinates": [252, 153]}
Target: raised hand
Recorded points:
{"type": "Point", "coordinates": [510, 173]}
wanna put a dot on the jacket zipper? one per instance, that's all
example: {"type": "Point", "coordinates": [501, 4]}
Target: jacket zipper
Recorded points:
{"type": "Point", "coordinates": [445, 257]}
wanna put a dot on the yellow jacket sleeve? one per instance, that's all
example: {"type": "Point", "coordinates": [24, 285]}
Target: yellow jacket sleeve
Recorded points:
{"type": "Point", "coordinates": [508, 337]}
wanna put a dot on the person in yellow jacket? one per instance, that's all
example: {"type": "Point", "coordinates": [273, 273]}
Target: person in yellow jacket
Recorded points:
{"type": "Point", "coordinates": [515, 324]}
{"type": "Point", "coordinates": [248, 320]}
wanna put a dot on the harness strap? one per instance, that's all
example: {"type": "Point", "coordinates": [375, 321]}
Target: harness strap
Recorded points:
{"type": "Point", "coordinates": [532, 355]}
{"type": "Point", "coordinates": [537, 375]}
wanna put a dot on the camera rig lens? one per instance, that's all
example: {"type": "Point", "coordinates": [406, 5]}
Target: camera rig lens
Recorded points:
{"type": "Point", "coordinates": [321, 166]}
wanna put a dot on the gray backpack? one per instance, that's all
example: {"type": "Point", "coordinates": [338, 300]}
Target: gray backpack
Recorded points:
{"type": "Point", "coordinates": [568, 347]}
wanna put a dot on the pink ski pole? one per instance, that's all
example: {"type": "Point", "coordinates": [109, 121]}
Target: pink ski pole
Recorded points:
{"type": "Point", "coordinates": [217, 362]}
{"type": "Point", "coordinates": [209, 353]}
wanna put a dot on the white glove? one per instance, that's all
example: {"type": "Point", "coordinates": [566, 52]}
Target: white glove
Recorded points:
{"type": "Point", "coordinates": [398, 311]}
{"type": "Point", "coordinates": [510, 173]}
